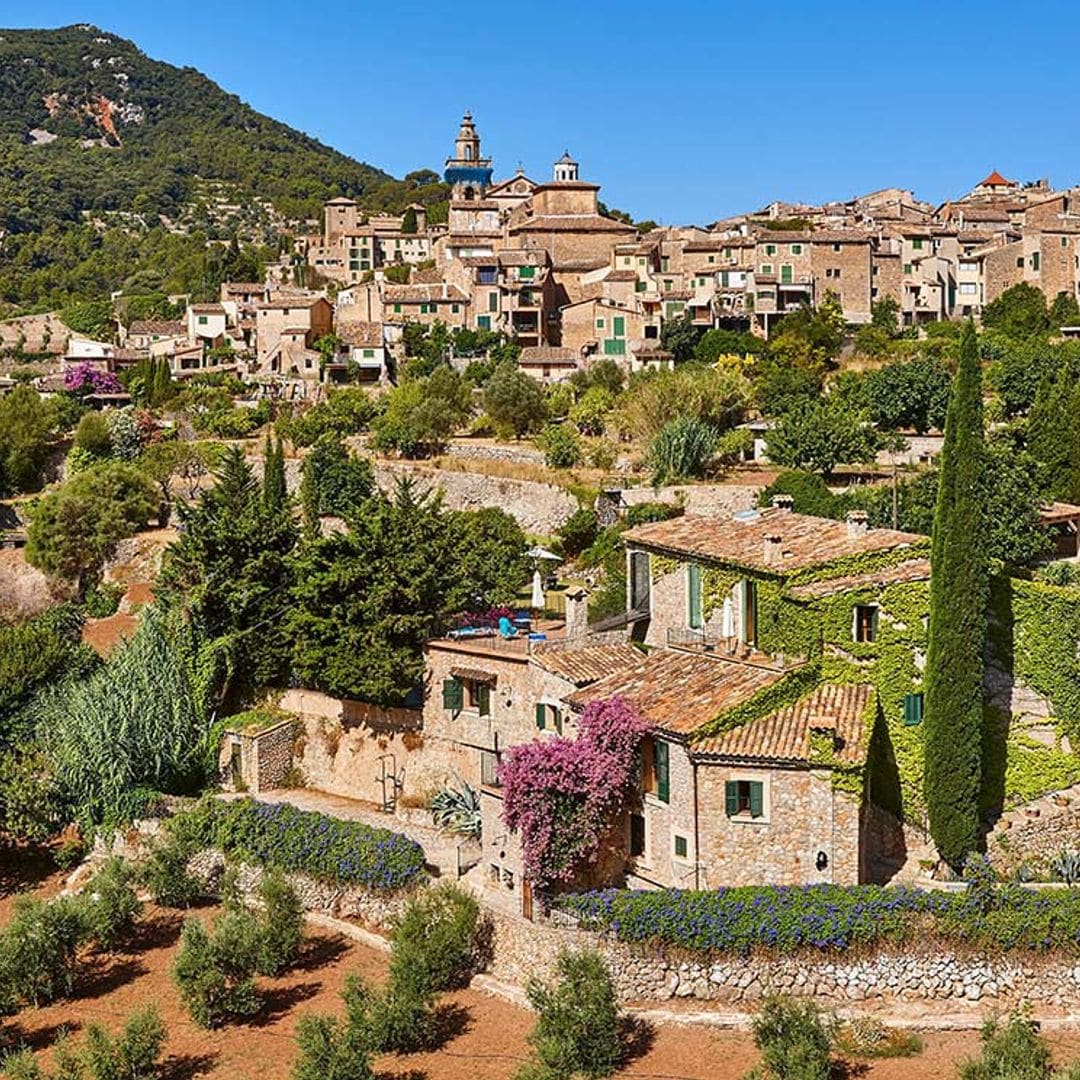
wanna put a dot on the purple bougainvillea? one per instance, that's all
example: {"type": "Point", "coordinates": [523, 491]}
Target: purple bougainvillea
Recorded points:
{"type": "Point", "coordinates": [84, 378]}
{"type": "Point", "coordinates": [561, 794]}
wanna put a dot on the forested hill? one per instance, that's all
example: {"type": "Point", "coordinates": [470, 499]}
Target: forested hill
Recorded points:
{"type": "Point", "coordinates": [90, 125]}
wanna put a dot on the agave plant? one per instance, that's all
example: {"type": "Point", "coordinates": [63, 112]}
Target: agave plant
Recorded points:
{"type": "Point", "coordinates": [1065, 866]}
{"type": "Point", "coordinates": [457, 811]}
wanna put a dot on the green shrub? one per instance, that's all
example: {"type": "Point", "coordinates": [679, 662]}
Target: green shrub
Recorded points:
{"type": "Point", "coordinates": [69, 853]}
{"type": "Point", "coordinates": [281, 924]}
{"type": "Point", "coordinates": [299, 841]}
{"type": "Point", "coordinates": [433, 939]}
{"type": "Point", "coordinates": [578, 1025]}
{"type": "Point", "coordinates": [682, 450]}
{"type": "Point", "coordinates": [561, 446]}
{"type": "Point", "coordinates": [578, 532]}
{"type": "Point", "coordinates": [37, 950]}
{"type": "Point", "coordinates": [165, 874]}
{"type": "Point", "coordinates": [1011, 1051]}
{"type": "Point", "coordinates": [109, 904]}
{"type": "Point", "coordinates": [133, 1055]}
{"type": "Point", "coordinates": [328, 1051]}
{"type": "Point", "coordinates": [214, 969]}
{"type": "Point", "coordinates": [793, 1040]}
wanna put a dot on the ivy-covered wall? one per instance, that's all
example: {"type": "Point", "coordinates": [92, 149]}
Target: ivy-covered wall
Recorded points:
{"type": "Point", "coordinates": [1034, 634]}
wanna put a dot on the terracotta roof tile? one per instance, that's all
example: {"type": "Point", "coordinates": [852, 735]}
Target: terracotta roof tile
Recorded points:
{"type": "Point", "coordinates": [422, 294]}
{"type": "Point", "coordinates": [547, 354]}
{"type": "Point", "coordinates": [912, 570]}
{"type": "Point", "coordinates": [470, 674]}
{"type": "Point", "coordinates": [367, 335]}
{"type": "Point", "coordinates": [159, 327]}
{"type": "Point", "coordinates": [804, 541]}
{"type": "Point", "coordinates": [680, 691]}
{"type": "Point", "coordinates": [588, 663]}
{"type": "Point", "coordinates": [785, 734]}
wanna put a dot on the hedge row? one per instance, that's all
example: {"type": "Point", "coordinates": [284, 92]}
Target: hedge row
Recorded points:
{"type": "Point", "coordinates": [833, 917]}
{"type": "Point", "coordinates": [301, 841]}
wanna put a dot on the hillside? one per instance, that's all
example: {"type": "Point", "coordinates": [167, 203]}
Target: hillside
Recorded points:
{"type": "Point", "coordinates": [95, 136]}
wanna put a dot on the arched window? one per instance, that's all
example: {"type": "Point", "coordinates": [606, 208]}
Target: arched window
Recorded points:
{"type": "Point", "coordinates": [469, 194]}
{"type": "Point", "coordinates": [468, 152]}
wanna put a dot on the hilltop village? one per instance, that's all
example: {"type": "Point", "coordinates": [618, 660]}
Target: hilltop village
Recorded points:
{"type": "Point", "coordinates": [706, 596]}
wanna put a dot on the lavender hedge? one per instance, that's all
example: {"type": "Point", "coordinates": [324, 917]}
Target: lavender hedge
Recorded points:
{"type": "Point", "coordinates": [832, 917]}
{"type": "Point", "coordinates": [302, 841]}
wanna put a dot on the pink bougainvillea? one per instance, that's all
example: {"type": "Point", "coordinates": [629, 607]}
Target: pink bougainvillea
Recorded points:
{"type": "Point", "coordinates": [561, 794]}
{"type": "Point", "coordinates": [84, 378]}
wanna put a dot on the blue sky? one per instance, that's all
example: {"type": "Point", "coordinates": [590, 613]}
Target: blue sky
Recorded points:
{"type": "Point", "coordinates": [684, 112]}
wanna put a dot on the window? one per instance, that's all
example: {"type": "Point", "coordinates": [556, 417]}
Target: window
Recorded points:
{"type": "Point", "coordinates": [637, 835]}
{"type": "Point", "coordinates": [202, 320]}
{"type": "Point", "coordinates": [712, 258]}
{"type": "Point", "coordinates": [795, 249]}
{"type": "Point", "coordinates": [397, 309]}
{"type": "Point", "coordinates": [766, 268]}
{"type": "Point", "coordinates": [486, 275]}
{"type": "Point", "coordinates": [479, 694]}
{"type": "Point", "coordinates": [1035, 261]}
{"type": "Point", "coordinates": [836, 247]}
{"type": "Point", "coordinates": [490, 760]}
{"type": "Point", "coordinates": [744, 798]}
{"type": "Point", "coordinates": [787, 273]}
{"type": "Point", "coordinates": [614, 347]}
{"type": "Point", "coordinates": [1020, 263]}
{"type": "Point", "coordinates": [640, 581]}
{"type": "Point", "coordinates": [864, 628]}
{"type": "Point", "coordinates": [600, 324]}
{"type": "Point", "coordinates": [548, 717]}
{"type": "Point", "coordinates": [680, 847]}
{"type": "Point", "coordinates": [907, 268]}
{"type": "Point", "coordinates": [968, 288]}
{"type": "Point", "coordinates": [455, 308]}
{"type": "Point", "coordinates": [453, 695]}
{"type": "Point", "coordinates": [1064, 241]}
{"type": "Point", "coordinates": [969, 267]}
{"type": "Point", "coordinates": [618, 326]}
{"type": "Point", "coordinates": [667, 284]}
{"type": "Point", "coordinates": [693, 597]}
{"type": "Point", "coordinates": [369, 354]}
{"type": "Point", "coordinates": [626, 260]}
{"type": "Point", "coordinates": [483, 322]}
{"type": "Point", "coordinates": [662, 771]}
{"type": "Point", "coordinates": [916, 245]}
{"type": "Point", "coordinates": [493, 301]}
{"type": "Point", "coordinates": [913, 709]}
{"type": "Point", "coordinates": [770, 249]}
{"type": "Point", "coordinates": [526, 271]}
{"type": "Point", "coordinates": [664, 264]}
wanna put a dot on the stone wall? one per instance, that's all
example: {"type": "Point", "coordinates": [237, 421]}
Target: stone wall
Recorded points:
{"type": "Point", "coordinates": [876, 981]}
{"type": "Point", "coordinates": [705, 500]}
{"type": "Point", "coordinates": [359, 751]}
{"type": "Point", "coordinates": [538, 508]}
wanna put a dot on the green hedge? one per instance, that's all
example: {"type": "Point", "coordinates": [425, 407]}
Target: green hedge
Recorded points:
{"type": "Point", "coordinates": [299, 841]}
{"type": "Point", "coordinates": [833, 917]}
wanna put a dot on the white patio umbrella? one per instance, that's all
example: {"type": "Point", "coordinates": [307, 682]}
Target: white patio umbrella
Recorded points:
{"type": "Point", "coordinates": [540, 553]}
{"type": "Point", "coordinates": [538, 591]}
{"type": "Point", "coordinates": [727, 622]}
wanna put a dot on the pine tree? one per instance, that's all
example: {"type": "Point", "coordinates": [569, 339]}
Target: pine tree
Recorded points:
{"type": "Point", "coordinates": [958, 595]}
{"type": "Point", "coordinates": [274, 491]}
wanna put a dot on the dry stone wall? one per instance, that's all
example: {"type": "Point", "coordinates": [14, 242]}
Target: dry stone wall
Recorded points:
{"type": "Point", "coordinates": [926, 977]}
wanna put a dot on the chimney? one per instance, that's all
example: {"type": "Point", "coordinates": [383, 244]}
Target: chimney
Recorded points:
{"type": "Point", "coordinates": [577, 613]}
{"type": "Point", "coordinates": [856, 523]}
{"type": "Point", "coordinates": [783, 502]}
{"type": "Point", "coordinates": [774, 550]}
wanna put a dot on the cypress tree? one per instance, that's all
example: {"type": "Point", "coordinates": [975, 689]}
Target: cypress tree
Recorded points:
{"type": "Point", "coordinates": [1048, 427]}
{"type": "Point", "coordinates": [274, 492]}
{"type": "Point", "coordinates": [1071, 492]}
{"type": "Point", "coordinates": [959, 586]}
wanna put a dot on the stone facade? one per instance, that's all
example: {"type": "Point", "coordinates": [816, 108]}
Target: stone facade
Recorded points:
{"type": "Point", "coordinates": [258, 760]}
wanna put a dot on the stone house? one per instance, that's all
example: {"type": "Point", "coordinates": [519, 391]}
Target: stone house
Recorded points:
{"type": "Point", "coordinates": [362, 345]}
{"type": "Point", "coordinates": [602, 328]}
{"type": "Point", "coordinates": [286, 331]}
{"type": "Point", "coordinates": [154, 334]}
{"type": "Point", "coordinates": [548, 363]}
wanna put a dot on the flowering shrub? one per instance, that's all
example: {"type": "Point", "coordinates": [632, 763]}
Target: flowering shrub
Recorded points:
{"type": "Point", "coordinates": [560, 794]}
{"type": "Point", "coordinates": [830, 917]}
{"type": "Point", "coordinates": [300, 841]}
{"type": "Point", "coordinates": [85, 379]}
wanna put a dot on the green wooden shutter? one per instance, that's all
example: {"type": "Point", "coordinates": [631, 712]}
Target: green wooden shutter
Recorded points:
{"type": "Point", "coordinates": [913, 709]}
{"type": "Point", "coordinates": [731, 797]}
{"type": "Point", "coordinates": [557, 713]}
{"type": "Point", "coordinates": [452, 696]}
{"type": "Point", "coordinates": [541, 716]}
{"type": "Point", "coordinates": [756, 790]}
{"type": "Point", "coordinates": [694, 587]}
{"type": "Point", "coordinates": [618, 325]}
{"type": "Point", "coordinates": [483, 697]}
{"type": "Point", "coordinates": [663, 772]}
